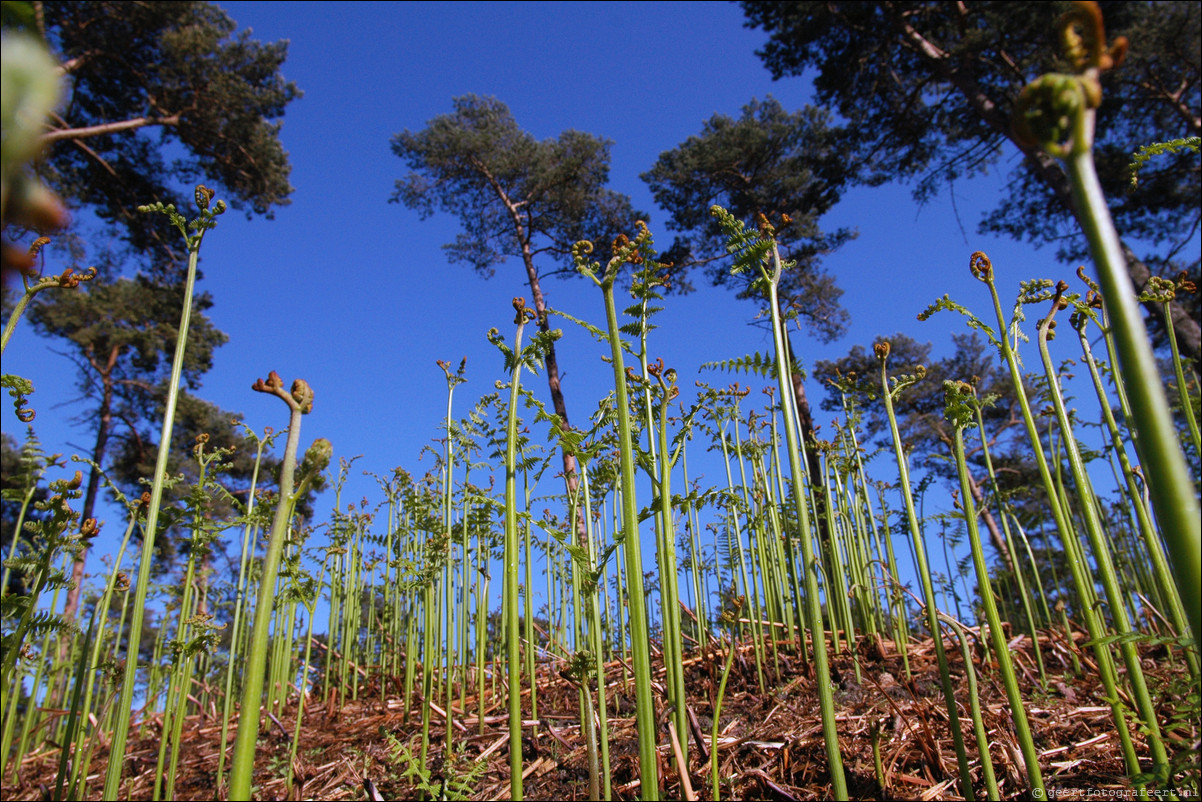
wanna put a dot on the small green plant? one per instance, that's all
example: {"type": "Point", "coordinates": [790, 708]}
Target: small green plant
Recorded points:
{"type": "Point", "coordinates": [728, 618]}
{"type": "Point", "coordinates": [1181, 723]}
{"type": "Point", "coordinates": [457, 779]}
{"type": "Point", "coordinates": [52, 536]}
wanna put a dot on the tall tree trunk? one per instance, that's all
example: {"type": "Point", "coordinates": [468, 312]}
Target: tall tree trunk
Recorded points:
{"type": "Point", "coordinates": [995, 534]}
{"type": "Point", "coordinates": [522, 233]}
{"type": "Point", "coordinates": [570, 474]}
{"type": "Point", "coordinates": [104, 428]}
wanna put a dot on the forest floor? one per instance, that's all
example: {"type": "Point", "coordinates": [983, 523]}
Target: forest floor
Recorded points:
{"type": "Point", "coordinates": [770, 744]}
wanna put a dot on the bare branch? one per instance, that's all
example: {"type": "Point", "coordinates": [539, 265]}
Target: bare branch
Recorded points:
{"type": "Point", "coordinates": [107, 128]}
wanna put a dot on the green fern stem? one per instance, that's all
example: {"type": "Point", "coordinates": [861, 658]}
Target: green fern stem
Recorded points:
{"type": "Point", "coordinates": [1170, 485]}
{"type": "Point", "coordinates": [513, 662]}
{"type": "Point", "coordinates": [1018, 713]}
{"type": "Point", "coordinates": [1102, 554]}
{"type": "Point", "coordinates": [242, 769]}
{"type": "Point", "coordinates": [206, 221]}
{"type": "Point", "coordinates": [826, 699]}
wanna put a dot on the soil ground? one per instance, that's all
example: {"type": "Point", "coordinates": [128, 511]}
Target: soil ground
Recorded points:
{"type": "Point", "coordinates": [770, 744]}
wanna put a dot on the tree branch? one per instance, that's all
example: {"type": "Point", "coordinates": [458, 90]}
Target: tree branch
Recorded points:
{"type": "Point", "coordinates": [1189, 334]}
{"type": "Point", "coordinates": [107, 128]}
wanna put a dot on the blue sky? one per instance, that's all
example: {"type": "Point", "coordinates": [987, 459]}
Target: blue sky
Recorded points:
{"type": "Point", "coordinates": [354, 295]}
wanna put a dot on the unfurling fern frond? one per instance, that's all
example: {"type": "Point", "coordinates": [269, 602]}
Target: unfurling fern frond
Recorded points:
{"type": "Point", "coordinates": [762, 365]}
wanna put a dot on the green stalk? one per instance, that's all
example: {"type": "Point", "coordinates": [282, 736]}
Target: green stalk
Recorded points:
{"type": "Point", "coordinates": [669, 590]}
{"type": "Point", "coordinates": [594, 624]}
{"type": "Point", "coordinates": [1051, 110]}
{"type": "Point", "coordinates": [1101, 550]}
{"type": "Point", "coordinates": [826, 699]}
{"type": "Point", "coordinates": [1151, 539]}
{"type": "Point", "coordinates": [730, 659]}
{"type": "Point", "coordinates": [512, 634]}
{"type": "Point", "coordinates": [310, 605]}
{"type": "Point", "coordinates": [239, 608]}
{"type": "Point", "coordinates": [200, 226]}
{"type": "Point", "coordinates": [958, 411]}
{"type": "Point", "coordinates": [453, 379]}
{"type": "Point", "coordinates": [982, 268]}
{"type": "Point", "coordinates": [181, 676]}
{"type": "Point", "coordinates": [31, 716]}
{"type": "Point", "coordinates": [974, 701]}
{"type": "Point", "coordinates": [897, 604]}
{"type": "Point", "coordinates": [1187, 405]}
{"type": "Point", "coordinates": [692, 525]}
{"type": "Point", "coordinates": [838, 601]}
{"type": "Point", "coordinates": [115, 584]}
{"type": "Point", "coordinates": [655, 423]}
{"type": "Point", "coordinates": [1169, 481]}
{"type": "Point", "coordinates": [750, 586]}
{"type": "Point", "coordinates": [796, 614]}
{"type": "Point", "coordinates": [300, 402]}
{"type": "Point", "coordinates": [1028, 613]}
{"type": "Point", "coordinates": [528, 595]}
{"type": "Point", "coordinates": [69, 749]}
{"type": "Point", "coordinates": [632, 548]}
{"type": "Point", "coordinates": [924, 573]}
{"type": "Point", "coordinates": [632, 551]}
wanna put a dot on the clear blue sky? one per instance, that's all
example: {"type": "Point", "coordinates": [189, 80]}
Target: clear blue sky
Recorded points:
{"type": "Point", "coordinates": [354, 294]}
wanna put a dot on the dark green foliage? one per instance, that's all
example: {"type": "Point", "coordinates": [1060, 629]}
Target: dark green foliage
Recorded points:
{"type": "Point", "coordinates": [512, 193]}
{"type": "Point", "coordinates": [121, 335]}
{"type": "Point", "coordinates": [1051, 561]}
{"type": "Point", "coordinates": [768, 162]}
{"type": "Point", "coordinates": [143, 76]}
{"type": "Point", "coordinates": [923, 426]}
{"type": "Point", "coordinates": [927, 90]}
{"type": "Point", "coordinates": [127, 326]}
{"type": "Point", "coordinates": [51, 535]}
{"type": "Point", "coordinates": [514, 197]}
{"type": "Point", "coordinates": [919, 409]}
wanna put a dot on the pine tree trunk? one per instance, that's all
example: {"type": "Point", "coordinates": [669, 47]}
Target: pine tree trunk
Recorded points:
{"type": "Point", "coordinates": [570, 474]}
{"type": "Point", "coordinates": [104, 425]}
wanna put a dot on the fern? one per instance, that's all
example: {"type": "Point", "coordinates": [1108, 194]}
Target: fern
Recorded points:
{"type": "Point", "coordinates": [762, 365]}
{"type": "Point", "coordinates": [1146, 152]}
{"type": "Point", "coordinates": [456, 780]}
{"type": "Point", "coordinates": [53, 536]}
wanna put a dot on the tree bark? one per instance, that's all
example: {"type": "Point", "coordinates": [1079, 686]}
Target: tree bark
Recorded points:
{"type": "Point", "coordinates": [107, 128]}
{"type": "Point", "coordinates": [995, 534]}
{"type": "Point", "coordinates": [104, 427]}
{"type": "Point", "coordinates": [551, 362]}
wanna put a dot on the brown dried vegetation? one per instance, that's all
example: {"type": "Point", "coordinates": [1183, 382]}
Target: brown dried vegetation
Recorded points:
{"type": "Point", "coordinates": [770, 746]}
